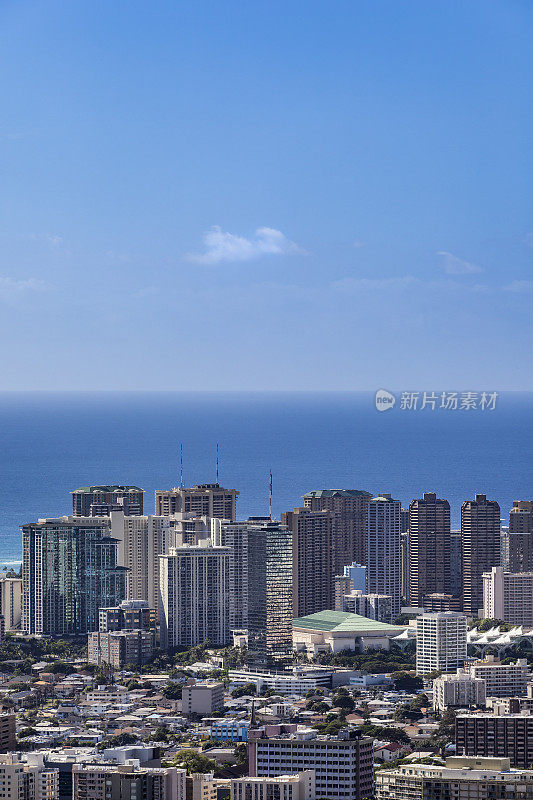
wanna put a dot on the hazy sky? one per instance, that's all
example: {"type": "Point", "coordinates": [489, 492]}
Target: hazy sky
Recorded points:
{"type": "Point", "coordinates": [254, 195]}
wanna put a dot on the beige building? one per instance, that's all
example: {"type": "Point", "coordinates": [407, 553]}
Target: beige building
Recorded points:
{"type": "Point", "coordinates": [465, 778]}
{"type": "Point", "coordinates": [502, 680]}
{"type": "Point", "coordinates": [129, 780]}
{"type": "Point", "coordinates": [203, 500]}
{"type": "Point", "coordinates": [458, 691]}
{"type": "Point", "coordinates": [11, 602]}
{"type": "Point", "coordinates": [27, 779]}
{"type": "Point", "coordinates": [282, 787]}
{"type": "Point", "coordinates": [202, 698]}
{"type": "Point", "coordinates": [508, 596]}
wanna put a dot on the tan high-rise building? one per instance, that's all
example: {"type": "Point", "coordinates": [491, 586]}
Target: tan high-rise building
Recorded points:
{"type": "Point", "coordinates": [204, 500]}
{"type": "Point", "coordinates": [429, 548]}
{"type": "Point", "coordinates": [519, 538]}
{"type": "Point", "coordinates": [11, 602]}
{"type": "Point", "coordinates": [480, 535]}
{"type": "Point", "coordinates": [313, 563]}
{"type": "Point", "coordinates": [351, 506]}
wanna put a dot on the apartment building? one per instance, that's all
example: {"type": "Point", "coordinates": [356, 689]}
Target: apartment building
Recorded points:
{"type": "Point", "coordinates": [27, 779]}
{"type": "Point", "coordinates": [11, 602]}
{"type": "Point", "coordinates": [458, 691]}
{"type": "Point", "coordinates": [429, 548]}
{"type": "Point", "coordinates": [508, 596]}
{"type": "Point", "coordinates": [202, 698]}
{"type": "Point", "coordinates": [205, 499]}
{"type": "Point", "coordinates": [350, 507]}
{"type": "Point", "coordinates": [343, 764]}
{"type": "Point", "coordinates": [129, 780]}
{"type": "Point", "coordinates": [8, 737]}
{"type": "Point", "coordinates": [440, 642]}
{"type": "Point", "coordinates": [380, 607]}
{"type": "Point", "coordinates": [502, 680]}
{"type": "Point", "coordinates": [465, 778]}
{"type": "Point", "coordinates": [383, 558]}
{"type": "Point", "coordinates": [494, 736]}
{"type": "Point", "coordinates": [480, 540]}
{"type": "Point", "coordinates": [95, 501]}
{"type": "Point", "coordinates": [282, 787]}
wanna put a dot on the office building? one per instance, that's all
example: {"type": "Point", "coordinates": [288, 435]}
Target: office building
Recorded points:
{"type": "Point", "coordinates": [129, 780]}
{"type": "Point", "coordinates": [313, 559]}
{"type": "Point", "coordinates": [508, 596]}
{"type": "Point", "coordinates": [495, 736]}
{"type": "Point", "coordinates": [195, 597]}
{"type": "Point", "coordinates": [11, 602]}
{"type": "Point", "coordinates": [8, 737]}
{"type": "Point", "coordinates": [461, 777]}
{"type": "Point", "coordinates": [69, 572]}
{"type": "Point", "coordinates": [280, 787]}
{"type": "Point", "coordinates": [202, 698]}
{"type": "Point", "coordinates": [440, 642]}
{"type": "Point", "coordinates": [429, 548]}
{"type": "Point", "coordinates": [383, 563]}
{"type": "Point", "coordinates": [458, 691]}
{"type": "Point", "coordinates": [96, 501]}
{"type": "Point", "coordinates": [343, 764]}
{"type": "Point", "coordinates": [350, 506]}
{"type": "Point", "coordinates": [480, 536]}
{"type": "Point", "coordinates": [203, 500]}
{"type": "Point", "coordinates": [374, 606]}
{"type": "Point", "coordinates": [501, 680]}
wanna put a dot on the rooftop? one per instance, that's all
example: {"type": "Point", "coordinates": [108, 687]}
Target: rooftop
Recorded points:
{"type": "Point", "coordinates": [337, 493]}
{"type": "Point", "coordinates": [108, 489]}
{"type": "Point", "coordinates": [343, 621]}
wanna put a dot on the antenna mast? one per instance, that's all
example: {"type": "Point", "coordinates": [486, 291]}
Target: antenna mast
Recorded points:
{"type": "Point", "coordinates": [181, 465]}
{"type": "Point", "coordinates": [217, 463]}
{"type": "Point", "coordinates": [270, 498]}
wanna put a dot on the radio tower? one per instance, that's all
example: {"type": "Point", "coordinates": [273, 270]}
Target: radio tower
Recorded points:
{"type": "Point", "coordinates": [181, 465]}
{"type": "Point", "coordinates": [217, 463]}
{"type": "Point", "coordinates": [270, 498]}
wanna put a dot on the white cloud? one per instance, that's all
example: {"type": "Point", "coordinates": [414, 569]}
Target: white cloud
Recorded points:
{"type": "Point", "coordinates": [456, 266]}
{"type": "Point", "coordinates": [519, 286]}
{"type": "Point", "coordinates": [221, 246]}
{"type": "Point", "coordinates": [11, 287]}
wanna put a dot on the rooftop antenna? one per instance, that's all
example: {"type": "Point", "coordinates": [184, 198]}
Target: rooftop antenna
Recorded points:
{"type": "Point", "coordinates": [270, 498]}
{"type": "Point", "coordinates": [217, 463]}
{"type": "Point", "coordinates": [181, 465]}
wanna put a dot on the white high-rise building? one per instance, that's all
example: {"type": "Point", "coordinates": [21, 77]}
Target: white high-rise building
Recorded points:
{"type": "Point", "coordinates": [383, 567]}
{"type": "Point", "coordinates": [195, 595]}
{"type": "Point", "coordinates": [235, 536]}
{"type": "Point", "coordinates": [440, 642]}
{"type": "Point", "coordinates": [508, 596]}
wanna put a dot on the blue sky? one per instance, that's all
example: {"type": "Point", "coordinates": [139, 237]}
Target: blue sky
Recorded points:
{"type": "Point", "coordinates": [281, 195]}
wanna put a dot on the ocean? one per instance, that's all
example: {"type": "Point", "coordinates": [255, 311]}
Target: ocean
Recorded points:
{"type": "Point", "coordinates": [53, 443]}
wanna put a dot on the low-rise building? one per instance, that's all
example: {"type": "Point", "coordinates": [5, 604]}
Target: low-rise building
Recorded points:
{"type": "Point", "coordinates": [282, 787]}
{"type": "Point", "coordinates": [224, 729]}
{"type": "Point", "coordinates": [502, 680]}
{"type": "Point", "coordinates": [491, 735]}
{"type": "Point", "coordinates": [129, 780]}
{"type": "Point", "coordinates": [202, 698]}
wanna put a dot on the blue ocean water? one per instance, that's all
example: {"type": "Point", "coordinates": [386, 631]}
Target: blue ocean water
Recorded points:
{"type": "Point", "coordinates": [53, 443]}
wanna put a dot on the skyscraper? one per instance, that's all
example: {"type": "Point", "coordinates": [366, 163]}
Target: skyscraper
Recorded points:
{"type": "Point", "coordinates": [95, 501]}
{"type": "Point", "coordinates": [480, 537]}
{"type": "Point", "coordinates": [519, 537]}
{"type": "Point", "coordinates": [195, 597]}
{"type": "Point", "coordinates": [269, 587]}
{"type": "Point", "coordinates": [383, 572]}
{"type": "Point", "coordinates": [429, 548]}
{"type": "Point", "coordinates": [313, 559]}
{"type": "Point", "coordinates": [234, 536]}
{"type": "Point", "coordinates": [350, 505]}
{"type": "Point", "coordinates": [205, 499]}
{"type": "Point", "coordinates": [69, 572]}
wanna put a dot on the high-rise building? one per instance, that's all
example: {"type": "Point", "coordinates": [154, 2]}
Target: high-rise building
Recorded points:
{"type": "Point", "coordinates": [11, 602]}
{"type": "Point", "coordinates": [141, 540]}
{"type": "Point", "coordinates": [96, 501]}
{"type": "Point", "coordinates": [456, 565]}
{"type": "Point", "coordinates": [517, 539]}
{"type": "Point", "coordinates": [234, 535]}
{"type": "Point", "coordinates": [508, 596]}
{"type": "Point", "coordinates": [313, 559]}
{"type": "Point", "coordinates": [69, 572]}
{"type": "Point", "coordinates": [480, 535]}
{"type": "Point", "coordinates": [350, 505]}
{"type": "Point", "coordinates": [474, 778]}
{"type": "Point", "coordinates": [343, 764]}
{"type": "Point", "coordinates": [440, 642]}
{"type": "Point", "coordinates": [383, 571]}
{"type": "Point", "coordinates": [404, 560]}
{"type": "Point", "coordinates": [129, 780]}
{"type": "Point", "coordinates": [27, 779]}
{"type": "Point", "coordinates": [195, 596]}
{"type": "Point", "coordinates": [203, 500]}
{"type": "Point", "coordinates": [270, 599]}
{"type": "Point", "coordinates": [129, 615]}
{"type": "Point", "coordinates": [373, 606]}
{"type": "Point", "coordinates": [429, 548]}
{"type": "Point", "coordinates": [494, 736]}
